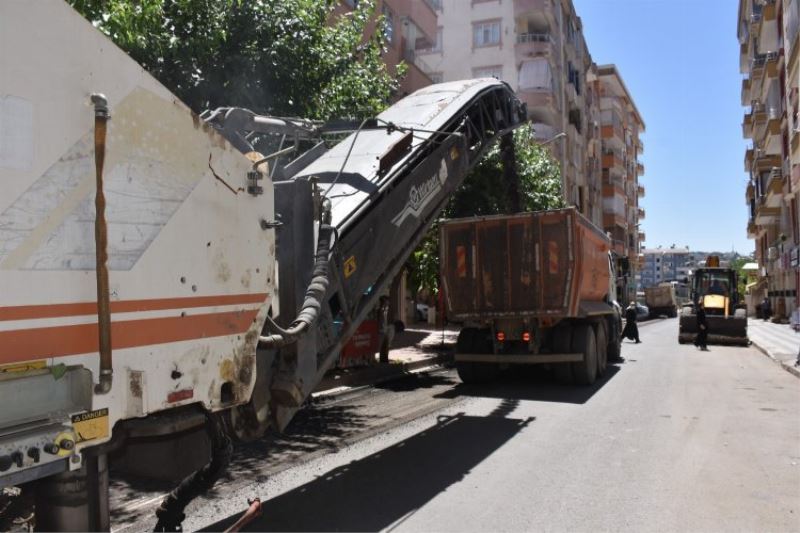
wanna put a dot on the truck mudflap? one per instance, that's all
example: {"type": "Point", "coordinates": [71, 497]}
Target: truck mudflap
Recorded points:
{"type": "Point", "coordinates": [518, 359]}
{"type": "Point", "coordinates": [730, 330]}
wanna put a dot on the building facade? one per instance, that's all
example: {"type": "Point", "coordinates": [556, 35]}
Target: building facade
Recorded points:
{"type": "Point", "coordinates": [770, 62]}
{"type": "Point", "coordinates": [538, 48]}
{"type": "Point", "coordinates": [621, 144]}
{"type": "Point", "coordinates": [666, 264]}
{"type": "Point", "coordinates": [409, 25]}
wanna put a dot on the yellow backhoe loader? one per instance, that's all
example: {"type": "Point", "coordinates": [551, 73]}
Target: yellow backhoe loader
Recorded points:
{"type": "Point", "coordinates": [716, 287]}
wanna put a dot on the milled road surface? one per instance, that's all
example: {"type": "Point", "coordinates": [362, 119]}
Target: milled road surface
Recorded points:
{"type": "Point", "coordinates": [670, 439]}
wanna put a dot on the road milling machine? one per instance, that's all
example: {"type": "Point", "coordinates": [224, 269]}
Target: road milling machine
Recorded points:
{"type": "Point", "coordinates": [158, 273]}
{"type": "Point", "coordinates": [717, 288]}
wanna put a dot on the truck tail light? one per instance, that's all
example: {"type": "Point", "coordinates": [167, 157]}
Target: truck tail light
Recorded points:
{"type": "Point", "coordinates": [501, 336]}
{"type": "Point", "coordinates": [526, 336]}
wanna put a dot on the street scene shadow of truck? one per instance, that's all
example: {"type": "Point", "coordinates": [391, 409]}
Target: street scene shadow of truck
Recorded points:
{"type": "Point", "coordinates": [375, 492]}
{"type": "Point", "coordinates": [532, 384]}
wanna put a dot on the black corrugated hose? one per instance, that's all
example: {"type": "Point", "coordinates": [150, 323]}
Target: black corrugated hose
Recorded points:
{"type": "Point", "coordinates": [315, 293]}
{"type": "Point", "coordinates": [170, 512]}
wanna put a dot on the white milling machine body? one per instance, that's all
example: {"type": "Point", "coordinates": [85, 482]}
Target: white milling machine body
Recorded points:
{"type": "Point", "coordinates": [190, 254]}
{"type": "Point", "coordinates": [207, 257]}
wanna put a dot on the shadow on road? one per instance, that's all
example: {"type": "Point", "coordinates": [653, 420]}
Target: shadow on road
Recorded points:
{"type": "Point", "coordinates": [417, 381]}
{"type": "Point", "coordinates": [316, 428]}
{"type": "Point", "coordinates": [533, 384]}
{"type": "Point", "coordinates": [375, 492]}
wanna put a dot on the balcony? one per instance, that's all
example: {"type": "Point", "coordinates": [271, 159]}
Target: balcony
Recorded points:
{"type": "Point", "coordinates": [640, 191]}
{"type": "Point", "coordinates": [748, 159]}
{"type": "Point", "coordinates": [752, 229]}
{"type": "Point", "coordinates": [640, 214]}
{"type": "Point", "coordinates": [640, 169]}
{"type": "Point", "coordinates": [532, 7]}
{"type": "Point", "coordinates": [767, 215]}
{"type": "Point", "coordinates": [746, 91]}
{"type": "Point", "coordinates": [764, 162]}
{"type": "Point", "coordinates": [773, 191]}
{"type": "Point", "coordinates": [757, 66]}
{"type": "Point", "coordinates": [642, 237]}
{"type": "Point", "coordinates": [772, 60]}
{"type": "Point", "coordinates": [612, 159]}
{"type": "Point", "coordinates": [747, 126]}
{"type": "Point", "coordinates": [640, 147]}
{"type": "Point", "coordinates": [533, 45]}
{"type": "Point", "coordinates": [541, 103]}
{"type": "Point", "coordinates": [423, 16]}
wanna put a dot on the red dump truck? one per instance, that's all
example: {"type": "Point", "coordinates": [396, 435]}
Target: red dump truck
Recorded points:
{"type": "Point", "coordinates": [531, 288]}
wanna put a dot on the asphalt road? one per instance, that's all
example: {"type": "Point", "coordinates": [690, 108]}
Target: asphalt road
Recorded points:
{"type": "Point", "coordinates": [671, 439]}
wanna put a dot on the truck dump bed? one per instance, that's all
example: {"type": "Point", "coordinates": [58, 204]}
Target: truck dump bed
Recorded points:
{"type": "Point", "coordinates": [546, 264]}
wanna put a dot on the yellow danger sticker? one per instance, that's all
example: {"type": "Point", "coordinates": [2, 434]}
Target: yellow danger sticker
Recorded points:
{"type": "Point", "coordinates": [23, 367]}
{"type": "Point", "coordinates": [349, 266]}
{"type": "Point", "coordinates": [91, 425]}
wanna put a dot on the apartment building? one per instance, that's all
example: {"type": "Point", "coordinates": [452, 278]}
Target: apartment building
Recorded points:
{"type": "Point", "coordinates": [770, 62]}
{"type": "Point", "coordinates": [621, 126]}
{"type": "Point", "coordinates": [666, 264]}
{"type": "Point", "coordinates": [409, 25]}
{"type": "Point", "coordinates": [538, 48]}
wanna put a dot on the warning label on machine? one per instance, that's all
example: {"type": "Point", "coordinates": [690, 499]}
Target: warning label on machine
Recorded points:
{"type": "Point", "coordinates": [91, 425]}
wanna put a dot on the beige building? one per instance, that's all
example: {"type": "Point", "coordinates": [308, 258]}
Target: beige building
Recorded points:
{"type": "Point", "coordinates": [410, 24]}
{"type": "Point", "coordinates": [538, 47]}
{"type": "Point", "coordinates": [620, 129]}
{"type": "Point", "coordinates": [770, 61]}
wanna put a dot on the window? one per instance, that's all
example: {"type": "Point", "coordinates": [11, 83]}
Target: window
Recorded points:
{"type": "Point", "coordinates": [486, 33]}
{"type": "Point", "coordinates": [495, 71]}
{"type": "Point", "coordinates": [388, 23]}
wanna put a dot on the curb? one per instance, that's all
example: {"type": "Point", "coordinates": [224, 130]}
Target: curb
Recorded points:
{"type": "Point", "coordinates": [789, 367]}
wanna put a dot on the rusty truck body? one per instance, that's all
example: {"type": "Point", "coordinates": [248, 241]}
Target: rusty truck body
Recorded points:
{"type": "Point", "coordinates": [530, 288]}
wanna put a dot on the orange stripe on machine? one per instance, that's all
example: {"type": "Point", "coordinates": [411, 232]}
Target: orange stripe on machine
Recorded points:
{"type": "Point", "coordinates": [27, 312]}
{"type": "Point", "coordinates": [37, 343]}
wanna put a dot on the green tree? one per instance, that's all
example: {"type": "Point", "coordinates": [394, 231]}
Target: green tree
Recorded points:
{"type": "Point", "coordinates": [741, 275]}
{"type": "Point", "coordinates": [485, 192]}
{"type": "Point", "coordinates": [279, 57]}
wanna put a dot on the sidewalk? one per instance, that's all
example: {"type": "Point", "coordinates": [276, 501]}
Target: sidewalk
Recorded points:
{"type": "Point", "coordinates": [419, 346]}
{"type": "Point", "coordinates": [779, 341]}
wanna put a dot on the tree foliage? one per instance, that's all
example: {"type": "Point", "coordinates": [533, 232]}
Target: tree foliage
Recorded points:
{"type": "Point", "coordinates": [485, 192]}
{"type": "Point", "coordinates": [279, 57]}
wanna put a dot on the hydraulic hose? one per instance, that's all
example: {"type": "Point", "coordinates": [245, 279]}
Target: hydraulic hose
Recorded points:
{"type": "Point", "coordinates": [170, 512]}
{"type": "Point", "coordinates": [312, 303]}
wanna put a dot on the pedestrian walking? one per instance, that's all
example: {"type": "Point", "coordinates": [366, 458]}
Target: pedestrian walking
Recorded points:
{"type": "Point", "coordinates": [702, 327]}
{"type": "Point", "coordinates": [631, 329]}
{"type": "Point", "coordinates": [766, 309]}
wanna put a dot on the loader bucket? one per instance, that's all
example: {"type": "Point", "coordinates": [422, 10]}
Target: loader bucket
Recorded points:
{"type": "Point", "coordinates": [730, 330]}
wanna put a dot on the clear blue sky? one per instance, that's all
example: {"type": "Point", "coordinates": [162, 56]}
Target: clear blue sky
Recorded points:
{"type": "Point", "coordinates": [680, 61]}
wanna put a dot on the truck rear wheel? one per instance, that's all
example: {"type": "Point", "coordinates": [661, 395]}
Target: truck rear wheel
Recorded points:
{"type": "Point", "coordinates": [615, 347]}
{"type": "Point", "coordinates": [602, 349]}
{"type": "Point", "coordinates": [472, 340]}
{"type": "Point", "coordinates": [584, 341]}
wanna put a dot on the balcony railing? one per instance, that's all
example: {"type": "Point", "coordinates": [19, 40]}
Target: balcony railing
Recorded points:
{"type": "Point", "coordinates": [534, 38]}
